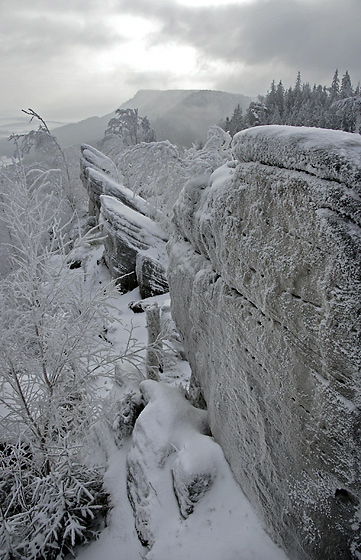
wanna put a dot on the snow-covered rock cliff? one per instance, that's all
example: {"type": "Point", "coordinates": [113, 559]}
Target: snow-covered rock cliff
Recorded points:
{"type": "Point", "coordinates": [265, 282]}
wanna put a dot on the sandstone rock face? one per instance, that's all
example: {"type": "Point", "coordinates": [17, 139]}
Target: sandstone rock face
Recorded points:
{"type": "Point", "coordinates": [135, 247]}
{"type": "Point", "coordinates": [151, 273]}
{"type": "Point", "coordinates": [265, 282]}
{"type": "Point", "coordinates": [93, 158]}
{"type": "Point", "coordinates": [99, 176]}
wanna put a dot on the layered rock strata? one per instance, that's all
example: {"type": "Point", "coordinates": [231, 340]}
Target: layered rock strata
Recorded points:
{"type": "Point", "coordinates": [99, 176]}
{"type": "Point", "coordinates": [265, 283]}
{"type": "Point", "coordinates": [135, 246]}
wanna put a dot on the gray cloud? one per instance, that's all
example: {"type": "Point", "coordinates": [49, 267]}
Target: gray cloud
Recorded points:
{"type": "Point", "coordinates": [27, 34]}
{"type": "Point", "coordinates": [316, 37]}
{"type": "Point", "coordinates": [46, 52]}
{"type": "Point", "coordinates": [47, 48]}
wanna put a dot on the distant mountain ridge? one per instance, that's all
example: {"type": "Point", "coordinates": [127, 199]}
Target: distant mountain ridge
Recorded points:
{"type": "Point", "coordinates": [181, 116]}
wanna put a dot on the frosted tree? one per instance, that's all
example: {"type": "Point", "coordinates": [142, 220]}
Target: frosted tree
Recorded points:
{"type": "Point", "coordinates": [327, 107]}
{"type": "Point", "coordinates": [126, 129]}
{"type": "Point", "coordinates": [350, 110]}
{"type": "Point", "coordinates": [154, 170]}
{"type": "Point", "coordinates": [335, 87]}
{"type": "Point", "coordinates": [53, 353]}
{"type": "Point", "coordinates": [346, 86]}
{"type": "Point", "coordinates": [47, 149]}
{"type": "Point", "coordinates": [236, 122]}
{"type": "Point", "coordinates": [215, 153]}
{"type": "Point", "coordinates": [158, 170]}
{"type": "Point", "coordinates": [257, 113]}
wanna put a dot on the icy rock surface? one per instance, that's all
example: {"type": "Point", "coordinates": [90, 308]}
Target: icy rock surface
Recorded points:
{"type": "Point", "coordinates": [265, 284]}
{"type": "Point", "coordinates": [135, 250]}
{"type": "Point", "coordinates": [170, 450]}
{"type": "Point", "coordinates": [99, 176]}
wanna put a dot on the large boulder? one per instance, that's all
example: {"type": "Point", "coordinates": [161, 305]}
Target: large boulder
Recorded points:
{"type": "Point", "coordinates": [265, 282]}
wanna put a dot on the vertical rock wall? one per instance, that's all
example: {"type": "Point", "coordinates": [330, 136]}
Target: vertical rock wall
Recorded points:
{"type": "Point", "coordinates": [265, 281]}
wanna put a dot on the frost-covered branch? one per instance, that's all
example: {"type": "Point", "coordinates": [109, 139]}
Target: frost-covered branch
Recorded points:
{"type": "Point", "coordinates": [52, 354]}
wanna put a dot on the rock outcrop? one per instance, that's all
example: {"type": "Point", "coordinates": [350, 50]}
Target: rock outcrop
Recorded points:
{"type": "Point", "coordinates": [133, 242]}
{"type": "Point", "coordinates": [265, 283]}
{"type": "Point", "coordinates": [99, 176]}
{"type": "Point", "coordinates": [135, 246]}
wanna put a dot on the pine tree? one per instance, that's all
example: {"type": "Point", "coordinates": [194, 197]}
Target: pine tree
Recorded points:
{"type": "Point", "coordinates": [335, 87]}
{"type": "Point", "coordinates": [280, 98]}
{"type": "Point", "coordinates": [271, 103]}
{"type": "Point", "coordinates": [346, 86]}
{"type": "Point", "coordinates": [298, 85]}
{"type": "Point", "coordinates": [228, 125]}
{"type": "Point", "coordinates": [350, 110]}
{"type": "Point", "coordinates": [236, 123]}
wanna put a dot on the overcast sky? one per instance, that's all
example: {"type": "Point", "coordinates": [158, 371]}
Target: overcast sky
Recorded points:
{"type": "Point", "coordinates": [71, 59]}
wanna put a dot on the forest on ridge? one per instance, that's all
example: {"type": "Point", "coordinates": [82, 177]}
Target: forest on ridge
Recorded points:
{"type": "Point", "coordinates": [337, 106]}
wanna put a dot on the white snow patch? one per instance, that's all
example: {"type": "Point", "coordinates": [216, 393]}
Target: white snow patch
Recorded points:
{"type": "Point", "coordinates": [223, 523]}
{"type": "Point", "coordinates": [118, 540]}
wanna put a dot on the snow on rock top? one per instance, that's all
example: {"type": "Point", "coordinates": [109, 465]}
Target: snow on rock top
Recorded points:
{"type": "Point", "coordinates": [111, 205]}
{"type": "Point", "coordinates": [100, 175]}
{"type": "Point", "coordinates": [103, 184]}
{"type": "Point", "coordinates": [97, 160]}
{"type": "Point", "coordinates": [328, 154]}
{"type": "Point", "coordinates": [134, 248]}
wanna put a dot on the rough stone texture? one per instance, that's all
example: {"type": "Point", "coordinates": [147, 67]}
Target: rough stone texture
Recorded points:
{"type": "Point", "coordinates": [99, 181]}
{"type": "Point", "coordinates": [335, 157]}
{"type": "Point", "coordinates": [92, 160]}
{"type": "Point", "coordinates": [151, 275]}
{"type": "Point", "coordinates": [132, 243]}
{"type": "Point", "coordinates": [265, 282]}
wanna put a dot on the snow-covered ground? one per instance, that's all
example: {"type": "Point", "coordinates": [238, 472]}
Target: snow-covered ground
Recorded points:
{"type": "Point", "coordinates": [223, 523]}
